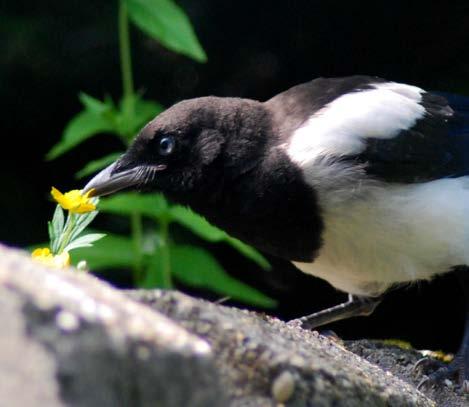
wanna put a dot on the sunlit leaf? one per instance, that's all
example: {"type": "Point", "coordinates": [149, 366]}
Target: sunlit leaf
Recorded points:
{"type": "Point", "coordinates": [202, 228]}
{"type": "Point", "coordinates": [52, 237]}
{"type": "Point", "coordinates": [56, 227]}
{"type": "Point", "coordinates": [83, 221]}
{"type": "Point", "coordinates": [146, 109]}
{"type": "Point", "coordinates": [249, 252]}
{"type": "Point", "coordinates": [84, 241]}
{"type": "Point", "coordinates": [142, 111]}
{"type": "Point", "coordinates": [113, 251]}
{"type": "Point", "coordinates": [166, 22]}
{"type": "Point", "coordinates": [196, 223]}
{"type": "Point", "coordinates": [96, 165]}
{"type": "Point", "coordinates": [151, 205]}
{"type": "Point", "coordinates": [197, 267]}
{"type": "Point", "coordinates": [83, 126]}
{"type": "Point", "coordinates": [95, 105]}
{"type": "Point", "coordinates": [154, 272]}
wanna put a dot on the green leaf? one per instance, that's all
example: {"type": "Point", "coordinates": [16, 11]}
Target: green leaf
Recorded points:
{"type": "Point", "coordinates": [153, 273]}
{"type": "Point", "coordinates": [94, 105]}
{"type": "Point", "coordinates": [50, 230]}
{"type": "Point", "coordinates": [56, 228]}
{"type": "Point", "coordinates": [166, 22]}
{"type": "Point", "coordinates": [83, 221]}
{"type": "Point", "coordinates": [151, 205]}
{"type": "Point", "coordinates": [146, 110]}
{"type": "Point", "coordinates": [84, 241]}
{"type": "Point", "coordinates": [200, 226]}
{"type": "Point", "coordinates": [196, 223]}
{"type": "Point", "coordinates": [96, 165]}
{"type": "Point", "coordinates": [134, 113]}
{"type": "Point", "coordinates": [114, 251]}
{"type": "Point", "coordinates": [249, 252]}
{"type": "Point", "coordinates": [197, 267]}
{"type": "Point", "coordinates": [58, 220]}
{"type": "Point", "coordinates": [84, 125]}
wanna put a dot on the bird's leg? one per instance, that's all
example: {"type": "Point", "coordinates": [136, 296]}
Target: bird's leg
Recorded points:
{"type": "Point", "coordinates": [354, 307]}
{"type": "Point", "coordinates": [460, 364]}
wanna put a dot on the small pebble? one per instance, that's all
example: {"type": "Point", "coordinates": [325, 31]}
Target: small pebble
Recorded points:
{"type": "Point", "coordinates": [143, 353]}
{"type": "Point", "coordinates": [67, 321]}
{"type": "Point", "coordinates": [465, 386]}
{"type": "Point", "coordinates": [283, 387]}
{"type": "Point", "coordinates": [82, 266]}
{"type": "Point", "coordinates": [448, 383]}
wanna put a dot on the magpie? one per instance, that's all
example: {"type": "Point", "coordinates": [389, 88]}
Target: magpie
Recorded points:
{"type": "Point", "coordinates": [359, 181]}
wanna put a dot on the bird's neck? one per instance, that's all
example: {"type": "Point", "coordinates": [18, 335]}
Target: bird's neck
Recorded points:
{"type": "Point", "coordinates": [252, 190]}
{"type": "Point", "coordinates": [268, 206]}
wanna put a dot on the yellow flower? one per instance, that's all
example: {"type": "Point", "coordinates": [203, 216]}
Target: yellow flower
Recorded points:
{"type": "Point", "coordinates": [74, 201]}
{"type": "Point", "coordinates": [44, 256]}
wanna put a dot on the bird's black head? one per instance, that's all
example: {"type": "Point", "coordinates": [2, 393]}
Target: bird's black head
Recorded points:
{"type": "Point", "coordinates": [221, 157]}
{"type": "Point", "coordinates": [188, 149]}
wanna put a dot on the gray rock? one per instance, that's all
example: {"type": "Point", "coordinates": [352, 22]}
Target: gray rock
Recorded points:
{"type": "Point", "coordinates": [400, 361]}
{"type": "Point", "coordinates": [69, 339]}
{"type": "Point", "coordinates": [264, 362]}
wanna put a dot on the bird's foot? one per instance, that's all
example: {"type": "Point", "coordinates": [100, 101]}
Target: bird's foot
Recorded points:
{"type": "Point", "coordinates": [437, 372]}
{"type": "Point", "coordinates": [354, 307]}
{"type": "Point", "coordinates": [458, 368]}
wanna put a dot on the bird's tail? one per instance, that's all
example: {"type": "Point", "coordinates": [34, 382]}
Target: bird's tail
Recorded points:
{"type": "Point", "coordinates": [460, 104]}
{"type": "Point", "coordinates": [459, 128]}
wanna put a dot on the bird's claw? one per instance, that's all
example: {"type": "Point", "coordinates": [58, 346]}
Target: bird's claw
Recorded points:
{"type": "Point", "coordinates": [422, 383]}
{"type": "Point", "coordinates": [444, 373]}
{"type": "Point", "coordinates": [425, 364]}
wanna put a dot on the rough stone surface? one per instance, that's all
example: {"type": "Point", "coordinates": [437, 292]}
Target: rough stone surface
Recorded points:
{"type": "Point", "coordinates": [401, 362]}
{"type": "Point", "coordinates": [69, 339]}
{"type": "Point", "coordinates": [252, 351]}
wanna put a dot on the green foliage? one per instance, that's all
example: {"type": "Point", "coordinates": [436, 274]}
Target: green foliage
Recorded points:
{"type": "Point", "coordinates": [150, 251]}
{"type": "Point", "coordinates": [55, 228]}
{"type": "Point", "coordinates": [83, 126]}
{"type": "Point", "coordinates": [212, 276]}
{"type": "Point", "coordinates": [96, 165]}
{"type": "Point", "coordinates": [152, 205]}
{"type": "Point", "coordinates": [156, 207]}
{"type": "Point", "coordinates": [104, 117]}
{"type": "Point", "coordinates": [112, 252]}
{"type": "Point", "coordinates": [166, 22]}
{"type": "Point", "coordinates": [65, 234]}
{"type": "Point", "coordinates": [199, 226]}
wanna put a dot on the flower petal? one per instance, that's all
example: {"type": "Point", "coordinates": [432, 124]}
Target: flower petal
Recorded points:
{"type": "Point", "coordinates": [44, 256]}
{"type": "Point", "coordinates": [56, 194]}
{"type": "Point", "coordinates": [74, 201]}
{"type": "Point", "coordinates": [62, 260]}
{"type": "Point", "coordinates": [83, 208]}
{"type": "Point", "coordinates": [41, 252]}
{"type": "Point", "coordinates": [87, 194]}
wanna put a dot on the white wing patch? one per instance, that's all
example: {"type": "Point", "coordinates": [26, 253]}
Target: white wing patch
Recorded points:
{"type": "Point", "coordinates": [342, 126]}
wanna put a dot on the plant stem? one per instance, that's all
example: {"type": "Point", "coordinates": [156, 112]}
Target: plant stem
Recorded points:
{"type": "Point", "coordinates": [125, 57]}
{"type": "Point", "coordinates": [137, 238]}
{"type": "Point", "coordinates": [128, 89]}
{"type": "Point", "coordinates": [67, 231]}
{"type": "Point", "coordinates": [165, 254]}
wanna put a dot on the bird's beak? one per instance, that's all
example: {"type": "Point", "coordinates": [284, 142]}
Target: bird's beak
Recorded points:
{"type": "Point", "coordinates": [109, 181]}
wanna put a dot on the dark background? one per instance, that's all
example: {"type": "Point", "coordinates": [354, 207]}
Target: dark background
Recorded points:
{"type": "Point", "coordinates": [49, 51]}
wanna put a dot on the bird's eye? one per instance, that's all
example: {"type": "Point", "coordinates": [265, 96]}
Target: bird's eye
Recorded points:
{"type": "Point", "coordinates": [167, 145]}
